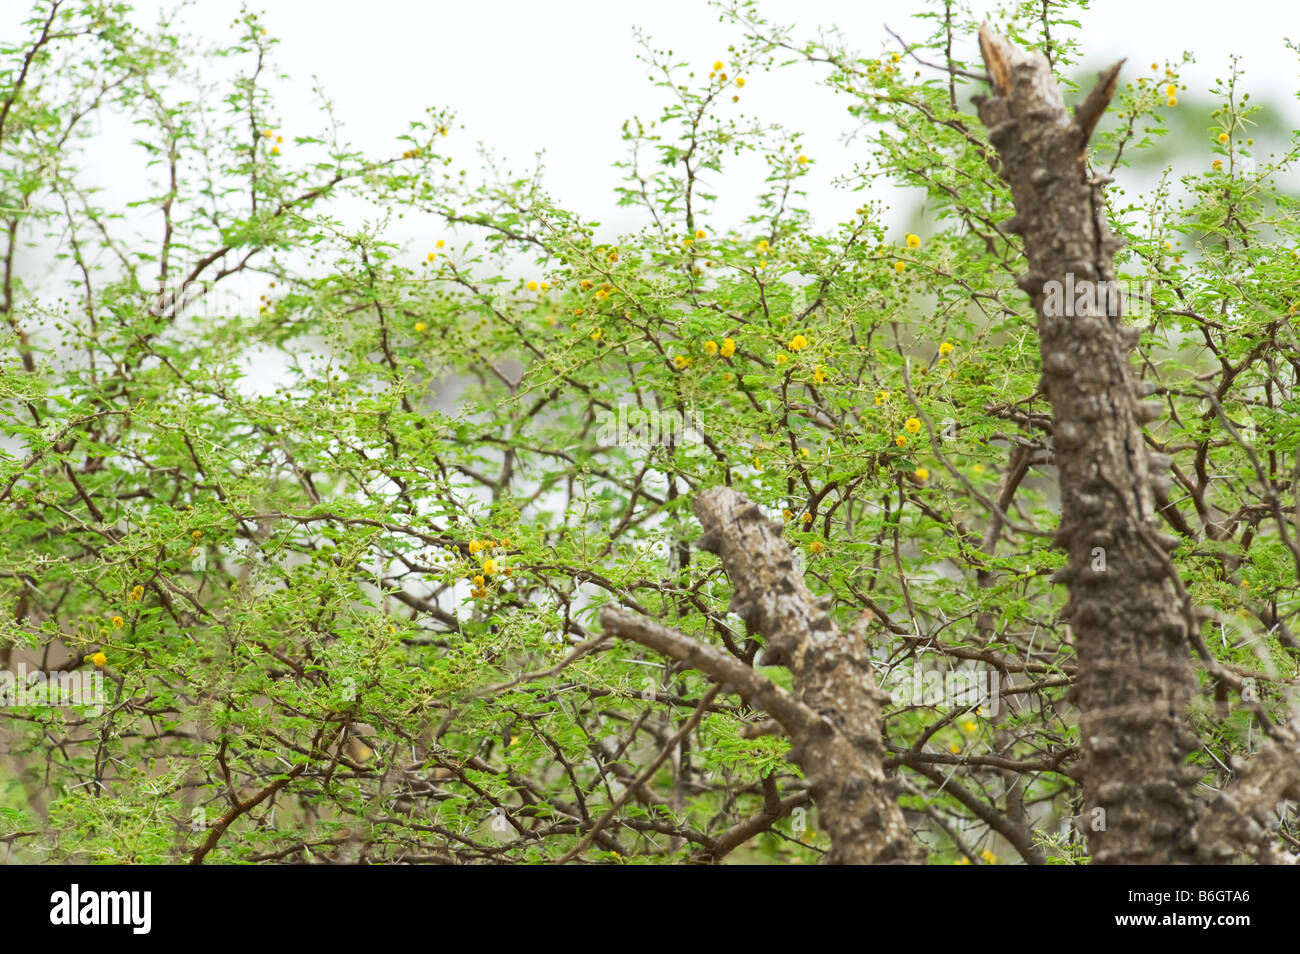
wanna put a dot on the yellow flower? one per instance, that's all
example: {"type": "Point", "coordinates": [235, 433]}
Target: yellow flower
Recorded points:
{"type": "Point", "coordinates": [700, 233]}
{"type": "Point", "coordinates": [136, 593]}
{"type": "Point", "coordinates": [969, 726]}
{"type": "Point", "coordinates": [816, 546]}
{"type": "Point", "coordinates": [740, 82]}
{"type": "Point", "coordinates": [798, 343]}
{"type": "Point", "coordinates": [787, 514]}
{"type": "Point", "coordinates": [921, 474]}
{"type": "Point", "coordinates": [803, 452]}
{"type": "Point", "coordinates": [1171, 90]}
{"type": "Point", "coordinates": [430, 257]}
{"type": "Point", "coordinates": [963, 861]}
{"type": "Point", "coordinates": [945, 349]}
{"type": "Point", "coordinates": [819, 375]}
{"type": "Point", "coordinates": [585, 284]}
{"type": "Point", "coordinates": [420, 326]}
{"type": "Point", "coordinates": [1155, 66]}
{"type": "Point", "coordinates": [514, 740]}
{"type": "Point", "coordinates": [196, 534]}
{"type": "Point", "coordinates": [275, 150]}
{"type": "Point", "coordinates": [99, 659]}
{"type": "Point", "coordinates": [900, 267]}
{"type": "Point", "coordinates": [439, 244]}
{"type": "Point", "coordinates": [719, 66]}
{"type": "Point", "coordinates": [489, 567]}
{"type": "Point", "coordinates": [913, 241]}
{"type": "Point", "coordinates": [762, 246]}
{"type": "Point", "coordinates": [266, 133]}
{"type": "Point", "coordinates": [117, 622]}
{"type": "Point", "coordinates": [710, 347]}
{"type": "Point", "coordinates": [913, 425]}
{"type": "Point", "coordinates": [1173, 100]}
{"type": "Point", "coordinates": [279, 139]}
{"type": "Point", "coordinates": [781, 358]}
{"type": "Point", "coordinates": [728, 347]}
{"type": "Point", "coordinates": [900, 440]}
{"type": "Point", "coordinates": [803, 160]}
{"type": "Point", "coordinates": [881, 398]}
{"type": "Point", "coordinates": [1223, 137]}
{"type": "Point", "coordinates": [806, 518]}
{"type": "Point", "coordinates": [954, 748]}
{"type": "Point", "coordinates": [978, 468]}
{"type": "Point", "coordinates": [682, 362]}
{"type": "Point", "coordinates": [988, 856]}
{"type": "Point", "coordinates": [532, 286]}
{"type": "Point", "coordinates": [762, 263]}
{"type": "Point", "coordinates": [1217, 165]}
{"type": "Point", "coordinates": [479, 581]}
{"type": "Point", "coordinates": [595, 334]}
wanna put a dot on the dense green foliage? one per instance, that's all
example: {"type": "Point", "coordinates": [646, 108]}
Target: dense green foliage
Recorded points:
{"type": "Point", "coordinates": [364, 592]}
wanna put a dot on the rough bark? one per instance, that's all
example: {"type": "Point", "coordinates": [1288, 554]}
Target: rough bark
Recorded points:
{"type": "Point", "coordinates": [833, 718]}
{"type": "Point", "coordinates": [1135, 672]}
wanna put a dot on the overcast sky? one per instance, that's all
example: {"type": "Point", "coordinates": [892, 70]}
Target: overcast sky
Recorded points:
{"type": "Point", "coordinates": [562, 75]}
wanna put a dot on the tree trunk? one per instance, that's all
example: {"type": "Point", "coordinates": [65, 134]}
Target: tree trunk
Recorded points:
{"type": "Point", "coordinates": [834, 717]}
{"type": "Point", "coordinates": [1135, 672]}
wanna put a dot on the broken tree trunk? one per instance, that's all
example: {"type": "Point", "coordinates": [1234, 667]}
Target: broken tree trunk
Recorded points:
{"type": "Point", "coordinates": [833, 718]}
{"type": "Point", "coordinates": [1135, 673]}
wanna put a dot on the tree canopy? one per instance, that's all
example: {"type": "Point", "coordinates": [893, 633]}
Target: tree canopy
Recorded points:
{"type": "Point", "coordinates": [336, 517]}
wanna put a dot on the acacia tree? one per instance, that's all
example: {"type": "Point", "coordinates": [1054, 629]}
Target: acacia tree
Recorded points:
{"type": "Point", "coordinates": [545, 544]}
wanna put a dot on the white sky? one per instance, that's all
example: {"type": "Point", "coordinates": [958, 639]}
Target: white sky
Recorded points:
{"type": "Point", "coordinates": [561, 76]}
